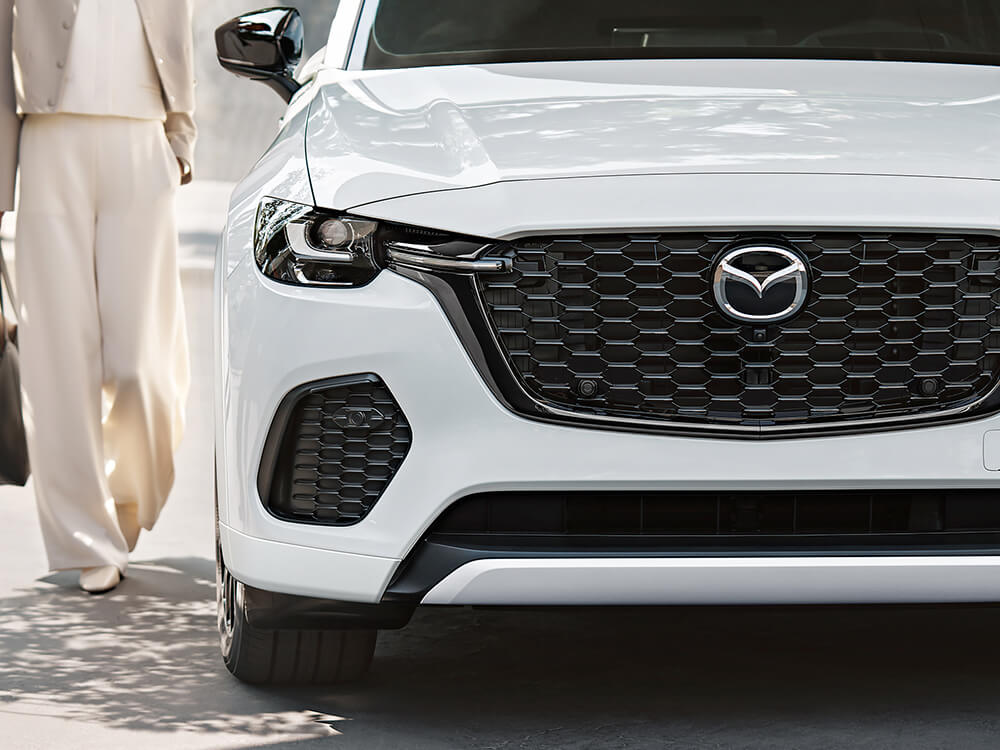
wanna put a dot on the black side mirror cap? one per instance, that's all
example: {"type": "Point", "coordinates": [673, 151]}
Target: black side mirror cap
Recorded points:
{"type": "Point", "coordinates": [265, 46]}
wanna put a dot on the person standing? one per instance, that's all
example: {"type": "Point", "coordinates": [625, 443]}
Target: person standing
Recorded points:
{"type": "Point", "coordinates": [96, 114]}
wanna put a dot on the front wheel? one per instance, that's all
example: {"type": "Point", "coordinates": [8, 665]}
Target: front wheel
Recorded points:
{"type": "Point", "coordinates": [301, 657]}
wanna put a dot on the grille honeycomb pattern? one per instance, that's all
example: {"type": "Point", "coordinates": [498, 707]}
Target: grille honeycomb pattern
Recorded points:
{"type": "Point", "coordinates": [341, 447]}
{"type": "Point", "coordinates": [895, 325]}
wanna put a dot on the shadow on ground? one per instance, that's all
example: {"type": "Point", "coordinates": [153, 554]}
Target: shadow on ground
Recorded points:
{"type": "Point", "coordinates": [139, 657]}
{"type": "Point", "coordinates": [146, 658]}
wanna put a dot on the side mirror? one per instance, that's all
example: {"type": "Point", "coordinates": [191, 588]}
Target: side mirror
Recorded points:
{"type": "Point", "coordinates": [263, 46]}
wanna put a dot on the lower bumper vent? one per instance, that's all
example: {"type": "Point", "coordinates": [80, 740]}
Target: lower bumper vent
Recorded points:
{"type": "Point", "coordinates": [703, 522]}
{"type": "Point", "coordinates": [332, 451]}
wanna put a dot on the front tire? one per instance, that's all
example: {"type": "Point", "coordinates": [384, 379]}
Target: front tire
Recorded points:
{"type": "Point", "coordinates": [271, 657]}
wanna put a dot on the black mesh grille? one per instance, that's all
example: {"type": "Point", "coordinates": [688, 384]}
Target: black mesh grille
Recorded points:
{"type": "Point", "coordinates": [895, 325]}
{"type": "Point", "coordinates": [664, 521]}
{"type": "Point", "coordinates": [340, 447]}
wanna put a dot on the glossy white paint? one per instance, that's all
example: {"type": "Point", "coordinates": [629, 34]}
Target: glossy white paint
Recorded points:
{"type": "Point", "coordinates": [465, 441]}
{"type": "Point", "coordinates": [991, 450]}
{"type": "Point", "coordinates": [379, 134]}
{"type": "Point", "coordinates": [305, 571]}
{"type": "Point", "coordinates": [636, 202]}
{"type": "Point", "coordinates": [338, 46]}
{"type": "Point", "coordinates": [516, 149]}
{"type": "Point", "coordinates": [700, 581]}
{"type": "Point", "coordinates": [281, 171]}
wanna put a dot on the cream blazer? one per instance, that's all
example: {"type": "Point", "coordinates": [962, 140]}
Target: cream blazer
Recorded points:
{"type": "Point", "coordinates": [35, 38]}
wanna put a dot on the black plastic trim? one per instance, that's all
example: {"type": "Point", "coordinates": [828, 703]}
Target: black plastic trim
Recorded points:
{"type": "Point", "coordinates": [485, 533]}
{"type": "Point", "coordinates": [376, 58]}
{"type": "Point", "coordinates": [272, 444]}
{"type": "Point", "coordinates": [272, 611]}
{"type": "Point", "coordinates": [271, 453]}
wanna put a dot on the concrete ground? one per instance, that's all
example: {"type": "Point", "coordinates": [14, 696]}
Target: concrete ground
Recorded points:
{"type": "Point", "coordinates": [139, 668]}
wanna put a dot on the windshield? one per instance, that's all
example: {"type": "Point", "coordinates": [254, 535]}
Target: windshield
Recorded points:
{"type": "Point", "coordinates": [408, 33]}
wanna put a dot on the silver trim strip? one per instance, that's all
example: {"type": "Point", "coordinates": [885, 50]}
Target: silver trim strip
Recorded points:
{"type": "Point", "coordinates": [698, 581]}
{"type": "Point", "coordinates": [402, 254]}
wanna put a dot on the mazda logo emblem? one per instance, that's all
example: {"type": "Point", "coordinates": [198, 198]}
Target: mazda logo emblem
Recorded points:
{"type": "Point", "coordinates": [760, 284]}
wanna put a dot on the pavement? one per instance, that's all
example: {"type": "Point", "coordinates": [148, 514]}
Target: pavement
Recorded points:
{"type": "Point", "coordinates": [139, 668]}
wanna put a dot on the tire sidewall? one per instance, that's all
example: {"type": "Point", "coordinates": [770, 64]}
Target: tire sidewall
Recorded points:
{"type": "Point", "coordinates": [227, 630]}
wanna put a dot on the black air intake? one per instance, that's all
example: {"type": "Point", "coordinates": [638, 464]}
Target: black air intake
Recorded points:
{"type": "Point", "coordinates": [333, 448]}
{"type": "Point", "coordinates": [723, 522]}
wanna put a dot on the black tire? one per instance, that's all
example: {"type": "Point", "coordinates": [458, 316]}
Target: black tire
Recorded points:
{"type": "Point", "coordinates": [272, 657]}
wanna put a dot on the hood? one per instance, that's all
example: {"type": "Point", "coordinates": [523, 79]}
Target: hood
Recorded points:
{"type": "Point", "coordinates": [382, 134]}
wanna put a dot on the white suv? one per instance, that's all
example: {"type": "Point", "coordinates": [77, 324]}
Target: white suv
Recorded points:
{"type": "Point", "coordinates": [579, 302]}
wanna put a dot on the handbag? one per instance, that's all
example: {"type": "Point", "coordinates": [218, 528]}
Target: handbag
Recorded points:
{"type": "Point", "coordinates": [14, 467]}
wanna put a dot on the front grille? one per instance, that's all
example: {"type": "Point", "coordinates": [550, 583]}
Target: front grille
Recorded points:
{"type": "Point", "coordinates": [661, 522]}
{"type": "Point", "coordinates": [896, 325]}
{"type": "Point", "coordinates": [333, 449]}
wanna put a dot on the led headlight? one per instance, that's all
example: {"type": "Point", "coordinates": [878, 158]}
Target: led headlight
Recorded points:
{"type": "Point", "coordinates": [302, 245]}
{"type": "Point", "coordinates": [299, 244]}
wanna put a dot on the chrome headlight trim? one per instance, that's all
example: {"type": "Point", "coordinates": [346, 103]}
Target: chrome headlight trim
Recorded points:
{"type": "Point", "coordinates": [423, 258]}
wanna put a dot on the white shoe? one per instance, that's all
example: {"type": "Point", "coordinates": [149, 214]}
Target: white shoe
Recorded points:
{"type": "Point", "coordinates": [99, 580]}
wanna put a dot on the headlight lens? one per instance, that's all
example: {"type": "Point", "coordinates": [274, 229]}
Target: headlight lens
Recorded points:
{"type": "Point", "coordinates": [302, 245]}
{"type": "Point", "coordinates": [299, 244]}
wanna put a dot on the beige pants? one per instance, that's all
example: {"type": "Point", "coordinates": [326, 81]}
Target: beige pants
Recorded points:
{"type": "Point", "coordinates": [103, 345]}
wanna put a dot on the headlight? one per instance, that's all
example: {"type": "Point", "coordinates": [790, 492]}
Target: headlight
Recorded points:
{"type": "Point", "coordinates": [299, 244]}
{"type": "Point", "coordinates": [302, 245]}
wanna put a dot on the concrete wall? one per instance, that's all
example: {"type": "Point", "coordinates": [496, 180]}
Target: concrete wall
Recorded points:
{"type": "Point", "coordinates": [238, 118]}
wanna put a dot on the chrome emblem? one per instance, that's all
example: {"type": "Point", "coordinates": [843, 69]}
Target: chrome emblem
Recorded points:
{"type": "Point", "coordinates": [760, 284]}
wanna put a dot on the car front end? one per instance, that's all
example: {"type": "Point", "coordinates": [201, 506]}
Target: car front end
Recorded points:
{"type": "Point", "coordinates": [612, 332]}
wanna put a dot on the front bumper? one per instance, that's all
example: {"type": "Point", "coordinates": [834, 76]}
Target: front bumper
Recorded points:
{"type": "Point", "coordinates": [276, 338]}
